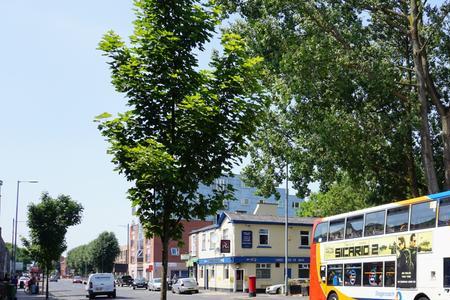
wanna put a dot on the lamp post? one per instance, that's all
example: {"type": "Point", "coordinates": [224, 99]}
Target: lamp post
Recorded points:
{"type": "Point", "coordinates": [286, 236]}
{"type": "Point", "coordinates": [15, 226]}
{"type": "Point", "coordinates": [1, 183]}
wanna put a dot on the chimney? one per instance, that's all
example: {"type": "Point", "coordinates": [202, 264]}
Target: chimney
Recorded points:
{"type": "Point", "coordinates": [266, 209]}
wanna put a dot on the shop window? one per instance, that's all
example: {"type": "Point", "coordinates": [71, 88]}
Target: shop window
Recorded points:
{"type": "Point", "coordinates": [334, 275]}
{"type": "Point", "coordinates": [423, 215]}
{"type": "Point", "coordinates": [304, 238]}
{"type": "Point", "coordinates": [303, 271]}
{"type": "Point", "coordinates": [444, 212]}
{"type": "Point", "coordinates": [389, 274]}
{"type": "Point", "coordinates": [337, 230]}
{"type": "Point", "coordinates": [264, 236]}
{"type": "Point", "coordinates": [397, 219]}
{"type": "Point", "coordinates": [226, 272]}
{"type": "Point", "coordinates": [354, 227]}
{"type": "Point", "coordinates": [321, 232]}
{"type": "Point", "coordinates": [374, 223]}
{"type": "Point", "coordinates": [263, 271]}
{"type": "Point", "coordinates": [352, 275]}
{"type": "Point", "coordinates": [373, 274]}
{"type": "Point", "coordinates": [201, 272]}
{"type": "Point", "coordinates": [212, 271]}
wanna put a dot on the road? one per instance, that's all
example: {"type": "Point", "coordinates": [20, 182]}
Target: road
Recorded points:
{"type": "Point", "coordinates": [66, 290]}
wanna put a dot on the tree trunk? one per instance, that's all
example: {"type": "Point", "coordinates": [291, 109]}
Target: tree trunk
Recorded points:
{"type": "Point", "coordinates": [445, 119]}
{"type": "Point", "coordinates": [425, 141]}
{"type": "Point", "coordinates": [46, 282]}
{"type": "Point", "coordinates": [165, 256]}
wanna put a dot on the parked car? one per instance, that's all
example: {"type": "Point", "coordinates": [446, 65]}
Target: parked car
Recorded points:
{"type": "Point", "coordinates": [275, 289]}
{"type": "Point", "coordinates": [139, 283]}
{"type": "Point", "coordinates": [77, 279]}
{"type": "Point", "coordinates": [185, 285]}
{"type": "Point", "coordinates": [53, 278]}
{"type": "Point", "coordinates": [155, 284]}
{"type": "Point", "coordinates": [101, 284]}
{"type": "Point", "coordinates": [125, 280]}
{"type": "Point", "coordinates": [23, 282]}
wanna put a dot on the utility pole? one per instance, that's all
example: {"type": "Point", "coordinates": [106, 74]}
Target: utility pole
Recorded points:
{"type": "Point", "coordinates": [286, 235]}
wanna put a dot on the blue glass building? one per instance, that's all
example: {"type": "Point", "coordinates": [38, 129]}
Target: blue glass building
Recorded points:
{"type": "Point", "coordinates": [246, 200]}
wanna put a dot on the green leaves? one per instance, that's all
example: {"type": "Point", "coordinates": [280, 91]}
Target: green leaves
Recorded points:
{"type": "Point", "coordinates": [185, 126]}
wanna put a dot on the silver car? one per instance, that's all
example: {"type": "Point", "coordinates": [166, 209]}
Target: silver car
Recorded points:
{"type": "Point", "coordinates": [185, 285]}
{"type": "Point", "coordinates": [155, 284]}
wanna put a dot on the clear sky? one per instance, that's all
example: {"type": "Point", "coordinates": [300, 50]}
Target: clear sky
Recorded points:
{"type": "Point", "coordinates": [53, 82]}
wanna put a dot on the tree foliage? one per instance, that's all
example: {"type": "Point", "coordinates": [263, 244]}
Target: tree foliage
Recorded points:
{"type": "Point", "coordinates": [22, 255]}
{"type": "Point", "coordinates": [80, 260]}
{"type": "Point", "coordinates": [48, 222]}
{"type": "Point", "coordinates": [349, 95]}
{"type": "Point", "coordinates": [184, 126]}
{"type": "Point", "coordinates": [103, 251]}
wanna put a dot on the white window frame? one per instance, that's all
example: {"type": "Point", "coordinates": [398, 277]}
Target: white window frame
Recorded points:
{"type": "Point", "coordinates": [212, 240]}
{"type": "Point", "coordinates": [204, 242]}
{"type": "Point", "coordinates": [259, 236]}
{"type": "Point", "coordinates": [302, 234]}
{"type": "Point", "coordinates": [263, 267]}
{"type": "Point", "coordinates": [245, 201]}
{"type": "Point", "coordinates": [174, 251]}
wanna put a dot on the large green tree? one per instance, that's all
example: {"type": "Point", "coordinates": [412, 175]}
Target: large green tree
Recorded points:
{"type": "Point", "coordinates": [184, 126]}
{"type": "Point", "coordinates": [359, 87]}
{"type": "Point", "coordinates": [48, 221]}
{"type": "Point", "coordinates": [103, 251]}
{"type": "Point", "coordinates": [80, 260]}
{"type": "Point", "coordinates": [22, 255]}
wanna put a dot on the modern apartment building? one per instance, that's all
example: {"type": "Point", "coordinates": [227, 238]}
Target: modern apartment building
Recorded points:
{"type": "Point", "coordinates": [246, 200]}
{"type": "Point", "coordinates": [223, 255]}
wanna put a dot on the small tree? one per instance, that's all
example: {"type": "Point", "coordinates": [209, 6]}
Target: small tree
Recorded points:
{"type": "Point", "coordinates": [48, 222]}
{"type": "Point", "coordinates": [184, 126]}
{"type": "Point", "coordinates": [103, 251]}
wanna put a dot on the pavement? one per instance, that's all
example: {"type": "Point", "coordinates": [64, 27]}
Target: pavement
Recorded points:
{"type": "Point", "coordinates": [68, 291]}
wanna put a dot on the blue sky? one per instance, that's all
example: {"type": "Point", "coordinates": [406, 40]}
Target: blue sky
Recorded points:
{"type": "Point", "coordinates": [53, 83]}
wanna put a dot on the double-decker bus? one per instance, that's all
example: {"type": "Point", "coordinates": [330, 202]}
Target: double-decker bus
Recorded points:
{"type": "Point", "coordinates": [398, 251]}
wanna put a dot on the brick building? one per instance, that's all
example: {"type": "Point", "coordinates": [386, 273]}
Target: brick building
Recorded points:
{"type": "Point", "coordinates": [145, 254]}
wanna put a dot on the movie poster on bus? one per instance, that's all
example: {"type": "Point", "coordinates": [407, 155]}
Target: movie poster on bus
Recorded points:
{"type": "Point", "coordinates": [406, 252]}
{"type": "Point", "coordinates": [378, 246]}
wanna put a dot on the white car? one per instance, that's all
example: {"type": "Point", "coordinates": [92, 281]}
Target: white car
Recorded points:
{"type": "Point", "coordinates": [275, 289]}
{"type": "Point", "coordinates": [101, 284]}
{"type": "Point", "coordinates": [185, 285]}
{"type": "Point", "coordinates": [155, 284]}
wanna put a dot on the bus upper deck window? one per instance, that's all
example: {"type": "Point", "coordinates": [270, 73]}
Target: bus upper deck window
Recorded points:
{"type": "Point", "coordinates": [374, 223]}
{"type": "Point", "coordinates": [423, 215]}
{"type": "Point", "coordinates": [337, 230]}
{"type": "Point", "coordinates": [321, 232]}
{"type": "Point", "coordinates": [354, 227]}
{"type": "Point", "coordinates": [444, 212]}
{"type": "Point", "coordinates": [397, 219]}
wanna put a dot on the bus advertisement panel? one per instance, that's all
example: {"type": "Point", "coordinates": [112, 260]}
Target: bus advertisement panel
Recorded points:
{"type": "Point", "coordinates": [394, 251]}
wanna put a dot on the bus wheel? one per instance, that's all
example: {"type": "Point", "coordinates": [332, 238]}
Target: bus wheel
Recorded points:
{"type": "Point", "coordinates": [332, 296]}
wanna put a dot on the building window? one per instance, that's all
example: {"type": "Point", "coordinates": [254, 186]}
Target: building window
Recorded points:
{"type": "Point", "coordinates": [174, 251]}
{"type": "Point", "coordinates": [194, 245]}
{"type": "Point", "coordinates": [244, 201]}
{"type": "Point", "coordinates": [304, 238]}
{"type": "Point", "coordinates": [263, 271]}
{"type": "Point", "coordinates": [264, 236]}
{"type": "Point", "coordinates": [303, 271]}
{"type": "Point", "coordinates": [212, 240]}
{"type": "Point", "coordinates": [295, 204]}
{"type": "Point", "coordinates": [203, 242]}
{"type": "Point", "coordinates": [225, 234]}
{"type": "Point", "coordinates": [226, 272]}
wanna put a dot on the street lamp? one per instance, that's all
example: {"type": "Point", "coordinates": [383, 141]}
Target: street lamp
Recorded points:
{"type": "Point", "coordinates": [15, 226]}
{"type": "Point", "coordinates": [1, 183]}
{"type": "Point", "coordinates": [286, 235]}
